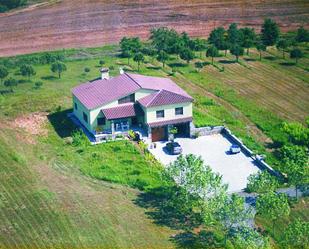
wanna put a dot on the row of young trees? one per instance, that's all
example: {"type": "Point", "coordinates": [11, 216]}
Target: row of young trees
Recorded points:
{"type": "Point", "coordinates": [11, 4]}
{"type": "Point", "coordinates": [27, 70]}
{"type": "Point", "coordinates": [165, 42]}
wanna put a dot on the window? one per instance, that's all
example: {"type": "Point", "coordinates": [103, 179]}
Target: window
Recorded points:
{"type": "Point", "coordinates": [160, 114]}
{"type": "Point", "coordinates": [101, 121]}
{"type": "Point", "coordinates": [85, 117]}
{"type": "Point", "coordinates": [179, 111]}
{"type": "Point", "coordinates": [75, 106]}
{"type": "Point", "coordinates": [128, 99]}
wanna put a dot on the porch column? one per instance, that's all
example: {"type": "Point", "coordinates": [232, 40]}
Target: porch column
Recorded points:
{"type": "Point", "coordinates": [113, 127]}
{"type": "Point", "coordinates": [149, 132]}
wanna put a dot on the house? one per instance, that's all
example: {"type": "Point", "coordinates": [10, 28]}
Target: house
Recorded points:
{"type": "Point", "coordinates": [113, 105]}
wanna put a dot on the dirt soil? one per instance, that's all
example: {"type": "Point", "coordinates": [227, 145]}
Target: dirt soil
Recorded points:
{"type": "Point", "coordinates": [85, 23]}
{"type": "Point", "coordinates": [31, 125]}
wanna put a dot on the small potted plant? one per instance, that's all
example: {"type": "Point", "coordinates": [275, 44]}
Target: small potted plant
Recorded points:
{"type": "Point", "coordinates": [172, 132]}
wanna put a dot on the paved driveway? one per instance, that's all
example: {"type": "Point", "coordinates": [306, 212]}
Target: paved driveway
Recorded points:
{"type": "Point", "coordinates": [214, 150]}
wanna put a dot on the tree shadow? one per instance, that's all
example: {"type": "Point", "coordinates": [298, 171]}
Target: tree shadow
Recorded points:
{"type": "Point", "coordinates": [177, 64]}
{"type": "Point", "coordinates": [164, 211]}
{"type": "Point", "coordinates": [49, 77]}
{"type": "Point", "coordinates": [202, 239]}
{"type": "Point", "coordinates": [270, 58]}
{"type": "Point", "coordinates": [62, 124]}
{"type": "Point", "coordinates": [227, 61]}
{"type": "Point", "coordinates": [22, 81]}
{"type": "Point", "coordinates": [6, 91]}
{"type": "Point", "coordinates": [286, 63]}
{"type": "Point", "coordinates": [249, 59]}
{"type": "Point", "coordinates": [153, 68]}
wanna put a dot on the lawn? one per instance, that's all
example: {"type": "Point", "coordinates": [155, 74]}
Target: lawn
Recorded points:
{"type": "Point", "coordinates": [55, 193]}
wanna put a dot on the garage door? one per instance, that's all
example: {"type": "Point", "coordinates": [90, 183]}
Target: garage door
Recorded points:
{"type": "Point", "coordinates": [157, 134]}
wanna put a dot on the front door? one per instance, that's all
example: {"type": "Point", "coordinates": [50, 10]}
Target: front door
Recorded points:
{"type": "Point", "coordinates": [158, 134]}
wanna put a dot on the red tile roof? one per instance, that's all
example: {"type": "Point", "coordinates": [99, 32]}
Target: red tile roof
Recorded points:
{"type": "Point", "coordinates": [123, 111]}
{"type": "Point", "coordinates": [167, 122]}
{"type": "Point", "coordinates": [99, 92]}
{"type": "Point", "coordinates": [163, 97]}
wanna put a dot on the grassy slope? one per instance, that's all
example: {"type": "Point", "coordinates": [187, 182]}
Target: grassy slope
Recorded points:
{"type": "Point", "coordinates": [298, 211]}
{"type": "Point", "coordinates": [50, 170]}
{"type": "Point", "coordinates": [46, 201]}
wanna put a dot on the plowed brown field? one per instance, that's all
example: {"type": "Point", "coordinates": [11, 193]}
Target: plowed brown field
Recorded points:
{"type": "Point", "coordinates": [84, 23]}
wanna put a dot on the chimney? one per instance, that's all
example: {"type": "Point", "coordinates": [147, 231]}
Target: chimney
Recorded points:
{"type": "Point", "coordinates": [104, 73]}
{"type": "Point", "coordinates": [121, 71]}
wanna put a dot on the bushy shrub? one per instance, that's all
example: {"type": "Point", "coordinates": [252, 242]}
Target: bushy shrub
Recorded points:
{"type": "Point", "coordinates": [79, 138]}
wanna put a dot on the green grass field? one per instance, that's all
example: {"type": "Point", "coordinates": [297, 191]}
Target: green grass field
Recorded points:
{"type": "Point", "coordinates": [55, 194]}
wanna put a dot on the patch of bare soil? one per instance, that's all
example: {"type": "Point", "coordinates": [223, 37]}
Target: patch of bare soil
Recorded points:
{"type": "Point", "coordinates": [84, 23]}
{"type": "Point", "coordinates": [31, 125]}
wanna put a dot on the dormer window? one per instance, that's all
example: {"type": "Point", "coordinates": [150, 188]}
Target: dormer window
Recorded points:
{"type": "Point", "coordinates": [127, 99]}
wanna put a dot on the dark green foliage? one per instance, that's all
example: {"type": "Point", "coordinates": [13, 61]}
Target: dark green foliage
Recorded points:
{"type": "Point", "coordinates": [162, 57]}
{"type": "Point", "coordinates": [130, 46]}
{"type": "Point", "coordinates": [165, 39]}
{"type": "Point", "coordinates": [86, 69]}
{"type": "Point", "coordinates": [27, 70]}
{"type": "Point", "coordinates": [296, 235]}
{"type": "Point", "coordinates": [237, 51]}
{"type": "Point", "coordinates": [260, 47]}
{"type": "Point", "coordinates": [58, 67]}
{"type": "Point", "coordinates": [11, 4]}
{"type": "Point", "coordinates": [138, 57]}
{"type": "Point", "coordinates": [283, 44]}
{"type": "Point", "coordinates": [302, 35]}
{"type": "Point", "coordinates": [186, 54]}
{"type": "Point", "coordinates": [198, 45]}
{"type": "Point", "coordinates": [218, 39]}
{"type": "Point", "coordinates": [10, 82]}
{"type": "Point", "coordinates": [234, 35]}
{"type": "Point", "coordinates": [101, 62]}
{"type": "Point", "coordinates": [248, 38]}
{"type": "Point", "coordinates": [270, 32]}
{"type": "Point", "coordinates": [38, 84]}
{"type": "Point", "coordinates": [296, 54]}
{"type": "Point", "coordinates": [3, 72]}
{"type": "Point", "coordinates": [212, 52]}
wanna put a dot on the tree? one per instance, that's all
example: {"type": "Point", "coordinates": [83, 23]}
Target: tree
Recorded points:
{"type": "Point", "coordinates": [38, 84]}
{"type": "Point", "coordinates": [101, 62]}
{"type": "Point", "coordinates": [270, 32]}
{"type": "Point", "coordinates": [262, 182]}
{"type": "Point", "coordinates": [234, 36]}
{"type": "Point", "coordinates": [296, 235]}
{"type": "Point", "coordinates": [164, 39]}
{"type": "Point", "coordinates": [127, 54]}
{"type": "Point", "coordinates": [233, 214]}
{"type": "Point", "coordinates": [27, 70]}
{"type": "Point", "coordinates": [212, 52]}
{"type": "Point", "coordinates": [10, 82]}
{"type": "Point", "coordinates": [273, 206]}
{"type": "Point", "coordinates": [302, 35]}
{"type": "Point", "coordinates": [260, 47]}
{"type": "Point", "coordinates": [296, 54]}
{"type": "Point", "coordinates": [218, 39]}
{"type": "Point", "coordinates": [246, 237]}
{"type": "Point", "coordinates": [138, 57]}
{"type": "Point", "coordinates": [283, 44]}
{"type": "Point", "coordinates": [186, 54]}
{"type": "Point", "coordinates": [198, 45]}
{"type": "Point", "coordinates": [58, 67]}
{"type": "Point", "coordinates": [198, 180]}
{"type": "Point", "coordinates": [132, 44]}
{"type": "Point", "coordinates": [295, 164]}
{"type": "Point", "coordinates": [162, 57]}
{"type": "Point", "coordinates": [297, 133]}
{"type": "Point", "coordinates": [248, 38]}
{"type": "Point", "coordinates": [3, 73]}
{"type": "Point", "coordinates": [237, 51]}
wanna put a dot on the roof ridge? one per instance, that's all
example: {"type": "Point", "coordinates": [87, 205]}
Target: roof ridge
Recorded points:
{"type": "Point", "coordinates": [133, 80]}
{"type": "Point", "coordinates": [154, 96]}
